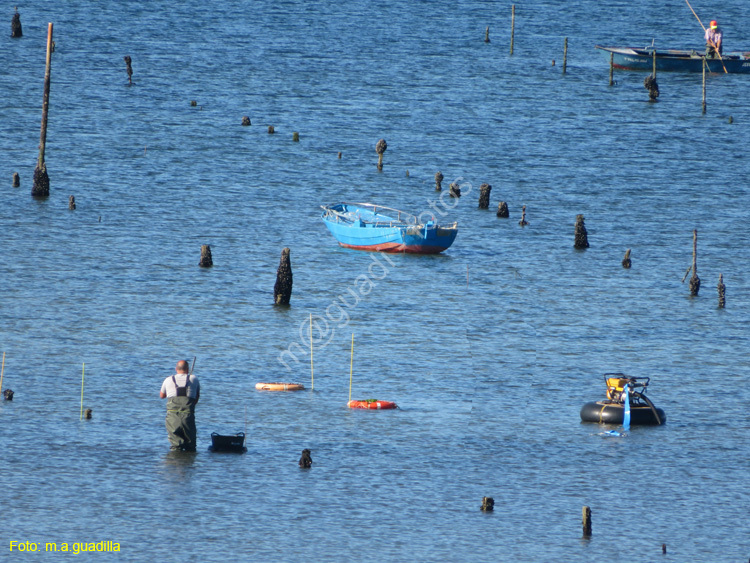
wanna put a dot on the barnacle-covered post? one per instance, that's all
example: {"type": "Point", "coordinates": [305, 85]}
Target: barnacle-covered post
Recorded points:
{"type": "Point", "coordinates": [484, 196]}
{"type": "Point", "coordinates": [626, 259]}
{"type": "Point", "coordinates": [586, 520]}
{"type": "Point", "coordinates": [282, 291]}
{"type": "Point", "coordinates": [581, 236]}
{"type": "Point", "coordinates": [455, 190]}
{"type": "Point", "coordinates": [438, 181]}
{"type": "Point", "coordinates": [721, 288]}
{"type": "Point", "coordinates": [16, 30]}
{"type": "Point", "coordinates": [502, 209]}
{"type": "Point", "coordinates": [649, 83]}
{"type": "Point", "coordinates": [129, 69]}
{"type": "Point", "coordinates": [488, 504]}
{"type": "Point", "coordinates": [380, 147]}
{"type": "Point", "coordinates": [206, 260]}
{"type": "Point", "coordinates": [72, 203]}
{"type": "Point", "coordinates": [16, 180]}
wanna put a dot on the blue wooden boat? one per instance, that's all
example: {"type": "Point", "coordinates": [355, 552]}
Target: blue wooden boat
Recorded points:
{"type": "Point", "coordinates": [365, 226]}
{"type": "Point", "coordinates": [678, 60]}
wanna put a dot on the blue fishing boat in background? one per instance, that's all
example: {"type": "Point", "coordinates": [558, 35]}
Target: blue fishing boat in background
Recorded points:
{"type": "Point", "coordinates": [364, 226]}
{"type": "Point", "coordinates": [677, 60]}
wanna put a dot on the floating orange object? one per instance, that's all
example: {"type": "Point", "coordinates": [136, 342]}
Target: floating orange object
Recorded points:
{"type": "Point", "coordinates": [279, 386]}
{"type": "Point", "coordinates": [372, 404]}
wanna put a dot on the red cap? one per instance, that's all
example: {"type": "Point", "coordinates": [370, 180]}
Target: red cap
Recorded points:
{"type": "Point", "coordinates": [713, 24]}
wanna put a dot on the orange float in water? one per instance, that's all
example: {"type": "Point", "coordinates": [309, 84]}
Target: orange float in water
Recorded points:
{"type": "Point", "coordinates": [372, 404]}
{"type": "Point", "coordinates": [279, 386]}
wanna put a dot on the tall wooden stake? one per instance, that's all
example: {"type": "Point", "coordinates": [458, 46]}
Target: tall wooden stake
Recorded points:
{"type": "Point", "coordinates": [565, 55]}
{"type": "Point", "coordinates": [41, 180]}
{"type": "Point", "coordinates": [653, 72]}
{"type": "Point", "coordinates": [512, 26]}
{"type": "Point", "coordinates": [611, 68]}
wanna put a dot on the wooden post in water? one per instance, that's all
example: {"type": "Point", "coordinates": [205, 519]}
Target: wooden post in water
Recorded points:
{"type": "Point", "coordinates": [488, 504]}
{"type": "Point", "coordinates": [380, 148]}
{"type": "Point", "coordinates": [282, 291]}
{"type": "Point", "coordinates": [487, 35]}
{"type": "Point", "coordinates": [206, 260]}
{"type": "Point", "coordinates": [695, 281]}
{"type": "Point", "coordinates": [565, 55]}
{"type": "Point", "coordinates": [438, 181]}
{"type": "Point", "coordinates": [581, 235]}
{"type": "Point", "coordinates": [611, 68]}
{"type": "Point", "coordinates": [626, 260]}
{"type": "Point", "coordinates": [129, 69]}
{"type": "Point", "coordinates": [484, 196]}
{"type": "Point", "coordinates": [40, 187]}
{"type": "Point", "coordinates": [721, 288]}
{"type": "Point", "coordinates": [16, 29]}
{"type": "Point", "coordinates": [653, 72]}
{"type": "Point", "coordinates": [523, 222]}
{"type": "Point", "coordinates": [16, 180]}
{"type": "Point", "coordinates": [704, 85]}
{"type": "Point", "coordinates": [512, 26]}
{"type": "Point", "coordinates": [586, 522]}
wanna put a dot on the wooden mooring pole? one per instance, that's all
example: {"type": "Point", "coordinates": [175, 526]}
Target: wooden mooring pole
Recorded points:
{"type": "Point", "coordinates": [586, 522]}
{"type": "Point", "coordinates": [565, 55]}
{"type": "Point", "coordinates": [611, 68]}
{"type": "Point", "coordinates": [512, 26]}
{"type": "Point", "coordinates": [40, 188]}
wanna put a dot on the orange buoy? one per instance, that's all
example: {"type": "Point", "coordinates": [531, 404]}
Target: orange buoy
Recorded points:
{"type": "Point", "coordinates": [372, 404]}
{"type": "Point", "coordinates": [279, 386]}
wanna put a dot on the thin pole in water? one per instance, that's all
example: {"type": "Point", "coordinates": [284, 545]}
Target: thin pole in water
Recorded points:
{"type": "Point", "coordinates": [512, 26]}
{"type": "Point", "coordinates": [312, 371]}
{"type": "Point", "coordinates": [351, 368]}
{"type": "Point", "coordinates": [2, 370]}
{"type": "Point", "coordinates": [83, 372]}
{"type": "Point", "coordinates": [653, 73]}
{"type": "Point", "coordinates": [704, 85]}
{"type": "Point", "coordinates": [611, 68]}
{"type": "Point", "coordinates": [565, 55]}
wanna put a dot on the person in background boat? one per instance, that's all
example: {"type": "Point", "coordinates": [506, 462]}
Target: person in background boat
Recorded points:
{"type": "Point", "coordinates": [182, 391]}
{"type": "Point", "coordinates": [714, 38]}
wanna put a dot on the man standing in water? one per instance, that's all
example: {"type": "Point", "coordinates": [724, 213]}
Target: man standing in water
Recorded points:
{"type": "Point", "coordinates": [182, 391]}
{"type": "Point", "coordinates": [714, 38]}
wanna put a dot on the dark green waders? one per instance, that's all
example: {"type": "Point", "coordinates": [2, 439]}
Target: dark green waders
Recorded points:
{"type": "Point", "coordinates": [180, 423]}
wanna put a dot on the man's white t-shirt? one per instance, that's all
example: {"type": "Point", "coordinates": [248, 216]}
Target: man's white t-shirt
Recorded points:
{"type": "Point", "coordinates": [169, 388]}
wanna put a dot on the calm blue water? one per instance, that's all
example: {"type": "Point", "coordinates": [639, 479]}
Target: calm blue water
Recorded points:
{"type": "Point", "coordinates": [489, 349]}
